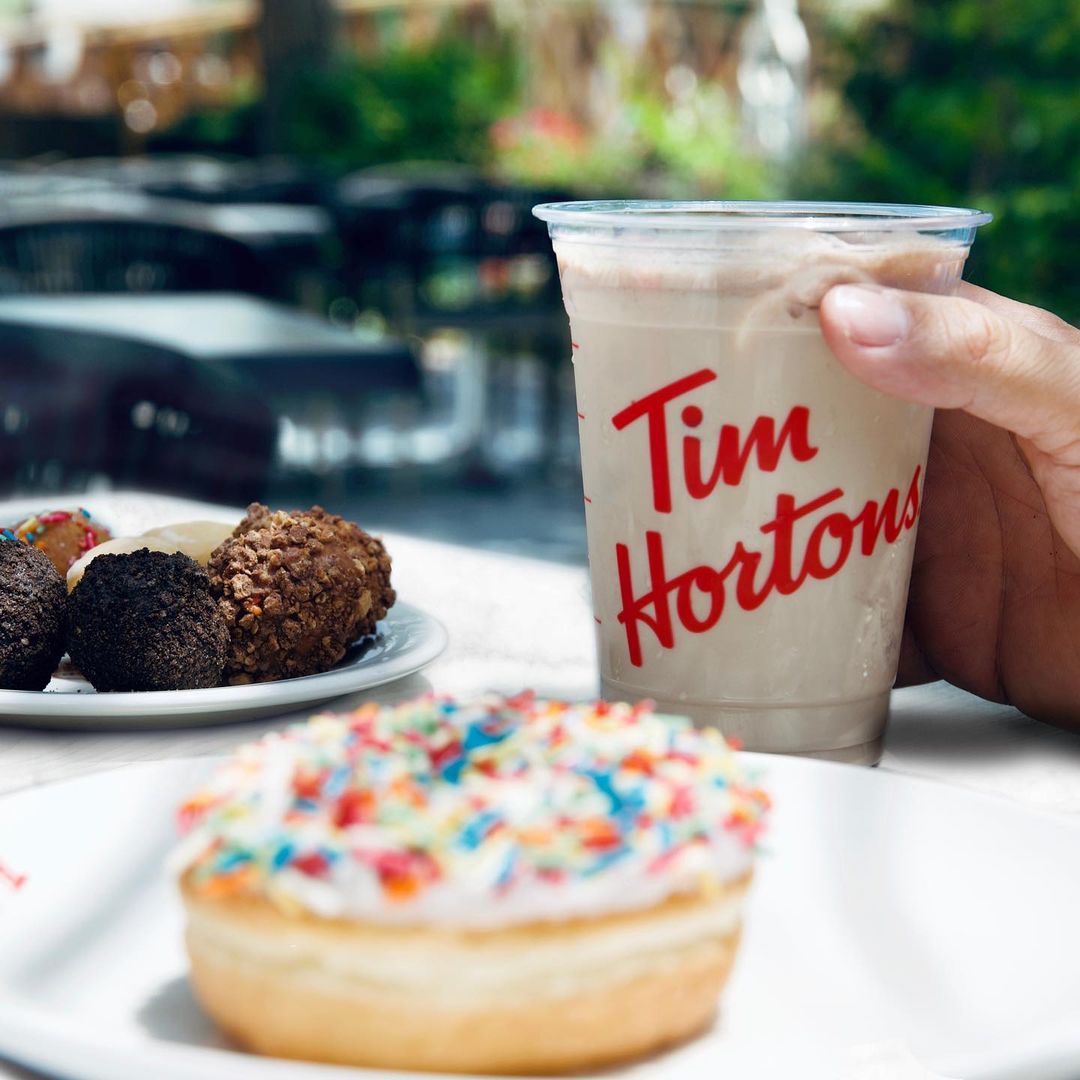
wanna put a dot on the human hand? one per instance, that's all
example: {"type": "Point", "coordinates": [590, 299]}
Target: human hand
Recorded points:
{"type": "Point", "coordinates": [995, 589]}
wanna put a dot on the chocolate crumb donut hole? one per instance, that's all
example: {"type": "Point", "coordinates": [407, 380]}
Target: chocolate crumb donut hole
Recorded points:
{"type": "Point", "coordinates": [147, 620]}
{"type": "Point", "coordinates": [292, 596]}
{"type": "Point", "coordinates": [33, 617]}
{"type": "Point", "coordinates": [368, 551]}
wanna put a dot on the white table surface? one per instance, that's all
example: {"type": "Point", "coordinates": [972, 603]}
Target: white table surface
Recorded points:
{"type": "Point", "coordinates": [515, 623]}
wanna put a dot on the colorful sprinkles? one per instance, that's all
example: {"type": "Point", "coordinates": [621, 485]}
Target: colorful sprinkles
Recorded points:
{"type": "Point", "coordinates": [498, 794]}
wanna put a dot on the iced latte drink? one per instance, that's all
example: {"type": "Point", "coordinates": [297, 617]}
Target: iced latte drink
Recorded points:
{"type": "Point", "coordinates": [751, 507]}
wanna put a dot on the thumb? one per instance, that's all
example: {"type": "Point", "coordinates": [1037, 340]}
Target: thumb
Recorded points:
{"type": "Point", "coordinates": [956, 354]}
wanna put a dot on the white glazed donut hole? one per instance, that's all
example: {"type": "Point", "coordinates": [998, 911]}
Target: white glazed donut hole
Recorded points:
{"type": "Point", "coordinates": [196, 539]}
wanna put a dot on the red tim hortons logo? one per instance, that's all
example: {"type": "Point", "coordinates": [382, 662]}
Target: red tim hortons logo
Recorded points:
{"type": "Point", "coordinates": [695, 599]}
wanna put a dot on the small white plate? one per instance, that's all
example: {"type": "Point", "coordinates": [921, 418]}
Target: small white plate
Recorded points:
{"type": "Point", "coordinates": [408, 640]}
{"type": "Point", "coordinates": [895, 926]}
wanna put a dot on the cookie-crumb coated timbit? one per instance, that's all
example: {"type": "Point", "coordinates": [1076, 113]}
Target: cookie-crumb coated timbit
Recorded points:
{"type": "Point", "coordinates": [366, 550]}
{"type": "Point", "coordinates": [369, 551]}
{"type": "Point", "coordinates": [32, 617]}
{"type": "Point", "coordinates": [291, 595]}
{"type": "Point", "coordinates": [146, 621]}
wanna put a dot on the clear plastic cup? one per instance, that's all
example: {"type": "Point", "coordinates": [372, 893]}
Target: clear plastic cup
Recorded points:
{"type": "Point", "coordinates": [751, 507]}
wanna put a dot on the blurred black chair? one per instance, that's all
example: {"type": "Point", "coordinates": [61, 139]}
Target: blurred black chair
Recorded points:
{"type": "Point", "coordinates": [458, 261]}
{"type": "Point", "coordinates": [23, 183]}
{"type": "Point", "coordinates": [120, 255]}
{"type": "Point", "coordinates": [201, 178]}
{"type": "Point", "coordinates": [448, 247]}
{"type": "Point", "coordinates": [179, 392]}
{"type": "Point", "coordinates": [82, 408]}
{"type": "Point", "coordinates": [112, 239]}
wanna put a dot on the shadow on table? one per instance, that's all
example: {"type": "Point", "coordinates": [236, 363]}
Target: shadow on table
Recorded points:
{"type": "Point", "coordinates": [17, 1072]}
{"type": "Point", "coordinates": [941, 722]}
{"type": "Point", "coordinates": [173, 1015]}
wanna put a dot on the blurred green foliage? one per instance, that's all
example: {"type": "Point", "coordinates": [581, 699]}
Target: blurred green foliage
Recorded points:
{"type": "Point", "coordinates": [965, 102]}
{"type": "Point", "coordinates": [681, 144]}
{"type": "Point", "coordinates": [693, 149]}
{"type": "Point", "coordinates": [435, 103]}
{"type": "Point", "coordinates": [960, 102]}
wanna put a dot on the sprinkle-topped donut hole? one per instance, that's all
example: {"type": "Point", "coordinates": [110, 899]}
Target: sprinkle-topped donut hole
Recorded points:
{"type": "Point", "coordinates": [502, 810]}
{"type": "Point", "coordinates": [64, 535]}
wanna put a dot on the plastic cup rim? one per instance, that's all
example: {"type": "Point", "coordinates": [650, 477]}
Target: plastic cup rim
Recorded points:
{"type": "Point", "coordinates": [734, 215]}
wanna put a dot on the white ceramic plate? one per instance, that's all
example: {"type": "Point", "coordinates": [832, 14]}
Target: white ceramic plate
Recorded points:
{"type": "Point", "coordinates": [408, 640]}
{"type": "Point", "coordinates": [893, 922]}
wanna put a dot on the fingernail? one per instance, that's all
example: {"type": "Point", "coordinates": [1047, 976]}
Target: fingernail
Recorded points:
{"type": "Point", "coordinates": [870, 317]}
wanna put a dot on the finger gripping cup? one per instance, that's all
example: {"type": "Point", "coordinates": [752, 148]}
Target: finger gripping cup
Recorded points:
{"type": "Point", "coordinates": [751, 507]}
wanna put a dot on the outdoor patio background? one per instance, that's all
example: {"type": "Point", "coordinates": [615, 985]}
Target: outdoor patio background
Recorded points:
{"type": "Point", "coordinates": [373, 163]}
